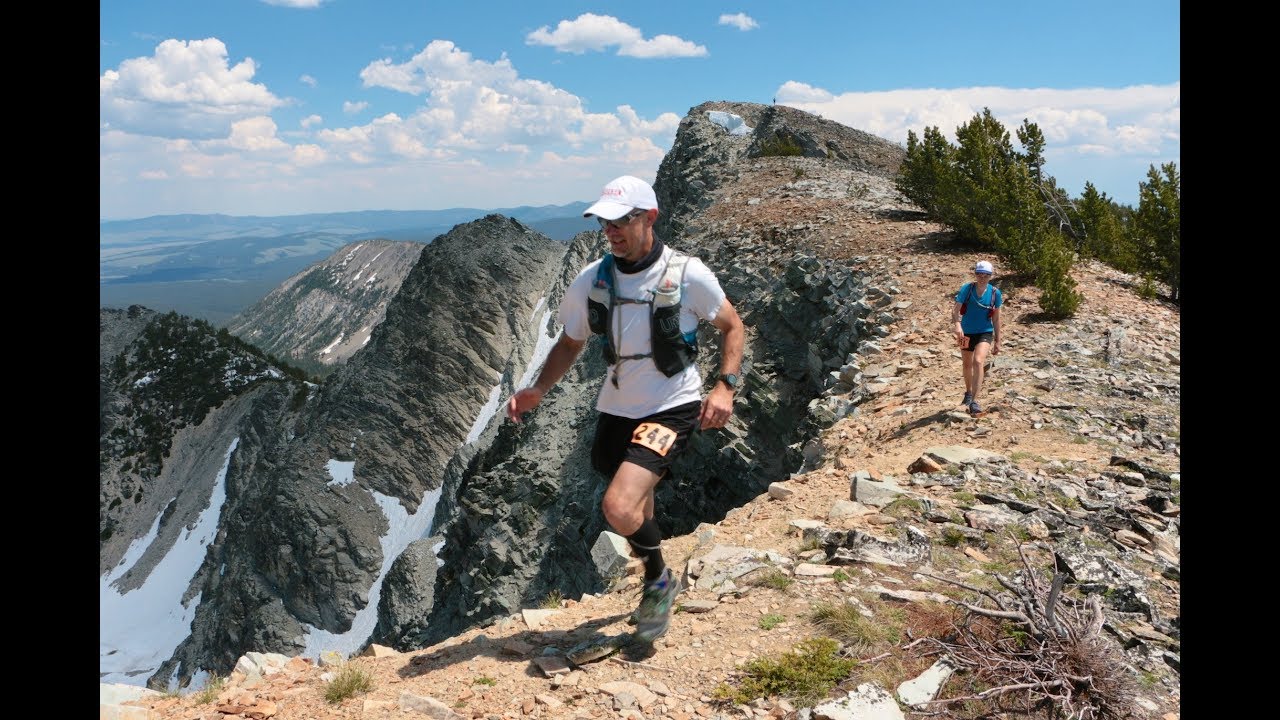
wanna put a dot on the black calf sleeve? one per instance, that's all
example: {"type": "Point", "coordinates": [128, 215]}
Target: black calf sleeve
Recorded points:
{"type": "Point", "coordinates": [646, 542]}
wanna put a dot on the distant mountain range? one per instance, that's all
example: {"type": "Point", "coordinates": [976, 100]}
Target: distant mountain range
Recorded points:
{"type": "Point", "coordinates": [213, 266]}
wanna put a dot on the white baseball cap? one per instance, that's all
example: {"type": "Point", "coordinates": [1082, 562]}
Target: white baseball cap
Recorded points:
{"type": "Point", "coordinates": [983, 267]}
{"type": "Point", "coordinates": [621, 196]}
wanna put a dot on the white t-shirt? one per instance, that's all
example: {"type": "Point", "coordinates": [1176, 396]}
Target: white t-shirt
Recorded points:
{"type": "Point", "coordinates": [642, 388]}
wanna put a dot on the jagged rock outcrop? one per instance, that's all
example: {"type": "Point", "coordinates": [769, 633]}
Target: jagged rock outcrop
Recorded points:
{"type": "Point", "coordinates": [317, 494]}
{"type": "Point", "coordinates": [705, 157]}
{"type": "Point", "coordinates": [408, 593]}
{"type": "Point", "coordinates": [171, 391]}
{"type": "Point", "coordinates": [118, 328]}
{"type": "Point", "coordinates": [320, 317]}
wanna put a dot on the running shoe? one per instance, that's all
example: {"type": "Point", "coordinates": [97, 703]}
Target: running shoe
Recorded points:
{"type": "Point", "coordinates": [654, 614]}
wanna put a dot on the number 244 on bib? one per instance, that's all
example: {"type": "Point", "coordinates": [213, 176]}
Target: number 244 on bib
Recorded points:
{"type": "Point", "coordinates": [658, 438]}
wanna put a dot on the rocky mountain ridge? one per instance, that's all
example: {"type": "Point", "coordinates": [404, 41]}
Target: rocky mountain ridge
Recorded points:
{"type": "Point", "coordinates": [1066, 467]}
{"type": "Point", "coordinates": [303, 550]}
{"type": "Point", "coordinates": [170, 388]}
{"type": "Point", "coordinates": [320, 317]}
{"type": "Point", "coordinates": [845, 289]}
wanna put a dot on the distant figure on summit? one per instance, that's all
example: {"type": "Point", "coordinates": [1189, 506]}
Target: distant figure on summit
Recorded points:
{"type": "Point", "coordinates": [976, 315]}
{"type": "Point", "coordinates": [645, 300]}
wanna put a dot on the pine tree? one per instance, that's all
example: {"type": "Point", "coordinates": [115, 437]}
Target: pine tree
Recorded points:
{"type": "Point", "coordinates": [982, 162]}
{"type": "Point", "coordinates": [1104, 238]}
{"type": "Point", "coordinates": [1058, 296]}
{"type": "Point", "coordinates": [926, 172]}
{"type": "Point", "coordinates": [1025, 226]}
{"type": "Point", "coordinates": [1158, 225]}
{"type": "Point", "coordinates": [1032, 155]}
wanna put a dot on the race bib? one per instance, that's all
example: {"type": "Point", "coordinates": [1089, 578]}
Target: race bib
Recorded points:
{"type": "Point", "coordinates": [657, 438]}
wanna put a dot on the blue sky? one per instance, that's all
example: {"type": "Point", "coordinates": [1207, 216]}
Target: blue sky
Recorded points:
{"type": "Point", "coordinates": [281, 107]}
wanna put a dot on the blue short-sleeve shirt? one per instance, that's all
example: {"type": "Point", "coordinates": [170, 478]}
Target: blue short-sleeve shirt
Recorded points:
{"type": "Point", "coordinates": [975, 320]}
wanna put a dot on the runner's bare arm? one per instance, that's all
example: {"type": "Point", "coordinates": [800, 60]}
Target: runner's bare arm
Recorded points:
{"type": "Point", "coordinates": [718, 405]}
{"type": "Point", "coordinates": [998, 324]}
{"type": "Point", "coordinates": [559, 360]}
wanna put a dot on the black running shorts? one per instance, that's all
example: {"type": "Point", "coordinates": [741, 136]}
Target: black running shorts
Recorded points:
{"type": "Point", "coordinates": [975, 338]}
{"type": "Point", "coordinates": [651, 442]}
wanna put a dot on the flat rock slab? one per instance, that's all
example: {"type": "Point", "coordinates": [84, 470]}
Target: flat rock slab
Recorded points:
{"type": "Point", "coordinates": [535, 619]}
{"type": "Point", "coordinates": [961, 455]}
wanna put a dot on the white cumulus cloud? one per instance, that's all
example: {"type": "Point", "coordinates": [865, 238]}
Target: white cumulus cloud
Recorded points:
{"type": "Point", "coordinates": [256, 135]}
{"type": "Point", "coordinates": [186, 89]}
{"type": "Point", "coordinates": [308, 80]}
{"type": "Point", "coordinates": [308, 155]}
{"type": "Point", "coordinates": [793, 92]}
{"type": "Point", "coordinates": [474, 128]}
{"type": "Point", "coordinates": [351, 108]}
{"type": "Point", "coordinates": [473, 104]}
{"type": "Point", "coordinates": [742, 21]}
{"type": "Point", "coordinates": [440, 67]}
{"type": "Point", "coordinates": [663, 46]}
{"type": "Point", "coordinates": [598, 32]}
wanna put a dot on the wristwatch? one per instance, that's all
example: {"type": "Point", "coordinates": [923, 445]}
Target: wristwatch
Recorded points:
{"type": "Point", "coordinates": [731, 380]}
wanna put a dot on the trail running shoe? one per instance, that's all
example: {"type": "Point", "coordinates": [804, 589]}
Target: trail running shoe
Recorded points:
{"type": "Point", "coordinates": [968, 399]}
{"type": "Point", "coordinates": [974, 408]}
{"type": "Point", "coordinates": [654, 614]}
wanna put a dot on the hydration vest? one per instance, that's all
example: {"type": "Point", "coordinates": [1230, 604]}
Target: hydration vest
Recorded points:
{"type": "Point", "coordinates": [991, 309]}
{"type": "Point", "coordinates": [672, 351]}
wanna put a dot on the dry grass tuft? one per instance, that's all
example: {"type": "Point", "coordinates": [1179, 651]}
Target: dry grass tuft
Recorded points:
{"type": "Point", "coordinates": [860, 635]}
{"type": "Point", "coordinates": [350, 681]}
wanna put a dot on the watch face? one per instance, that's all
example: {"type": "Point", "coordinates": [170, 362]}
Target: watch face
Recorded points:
{"type": "Point", "coordinates": [730, 379]}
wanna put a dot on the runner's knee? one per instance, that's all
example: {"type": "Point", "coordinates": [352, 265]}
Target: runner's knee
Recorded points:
{"type": "Point", "coordinates": [623, 516]}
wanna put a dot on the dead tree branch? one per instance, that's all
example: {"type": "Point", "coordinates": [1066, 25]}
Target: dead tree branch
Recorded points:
{"type": "Point", "coordinates": [1039, 646]}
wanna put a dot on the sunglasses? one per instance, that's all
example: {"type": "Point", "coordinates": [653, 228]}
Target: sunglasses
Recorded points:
{"type": "Point", "coordinates": [621, 222]}
{"type": "Point", "coordinates": [983, 274]}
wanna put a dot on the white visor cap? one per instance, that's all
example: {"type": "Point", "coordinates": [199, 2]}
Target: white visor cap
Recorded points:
{"type": "Point", "coordinates": [621, 196]}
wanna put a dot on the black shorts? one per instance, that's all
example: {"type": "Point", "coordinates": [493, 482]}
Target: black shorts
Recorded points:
{"type": "Point", "coordinates": [975, 338]}
{"type": "Point", "coordinates": [651, 442]}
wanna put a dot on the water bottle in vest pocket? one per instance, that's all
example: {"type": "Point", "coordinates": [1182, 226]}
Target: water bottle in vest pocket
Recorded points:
{"type": "Point", "coordinates": [666, 309]}
{"type": "Point", "coordinates": [672, 350]}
